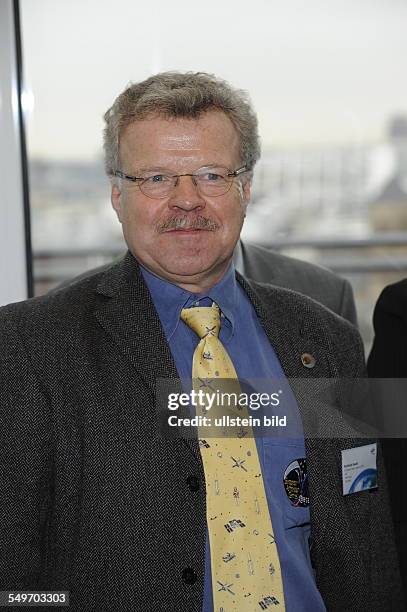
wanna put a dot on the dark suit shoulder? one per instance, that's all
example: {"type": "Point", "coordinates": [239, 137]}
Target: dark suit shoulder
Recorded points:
{"type": "Point", "coordinates": [65, 298]}
{"type": "Point", "coordinates": [48, 317]}
{"type": "Point", "coordinates": [53, 331]}
{"type": "Point", "coordinates": [308, 278]}
{"type": "Point", "coordinates": [280, 262]}
{"type": "Point", "coordinates": [393, 298]}
{"type": "Point", "coordinates": [67, 314]}
{"type": "Point", "coordinates": [388, 357]}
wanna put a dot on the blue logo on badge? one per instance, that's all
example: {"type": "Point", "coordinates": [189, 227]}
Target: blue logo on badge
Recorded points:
{"type": "Point", "coordinates": [365, 480]}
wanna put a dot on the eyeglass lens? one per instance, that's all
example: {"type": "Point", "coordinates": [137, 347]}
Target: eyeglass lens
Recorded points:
{"type": "Point", "coordinates": [210, 182]}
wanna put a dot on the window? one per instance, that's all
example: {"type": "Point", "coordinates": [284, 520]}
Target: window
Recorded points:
{"type": "Point", "coordinates": [326, 81]}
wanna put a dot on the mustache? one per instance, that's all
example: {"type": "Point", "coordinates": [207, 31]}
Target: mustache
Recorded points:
{"type": "Point", "coordinates": [187, 223]}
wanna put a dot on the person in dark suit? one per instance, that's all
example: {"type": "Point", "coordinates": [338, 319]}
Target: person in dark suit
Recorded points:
{"type": "Point", "coordinates": [388, 356]}
{"type": "Point", "coordinates": [388, 359]}
{"type": "Point", "coordinates": [97, 498]}
{"type": "Point", "coordinates": [267, 266]}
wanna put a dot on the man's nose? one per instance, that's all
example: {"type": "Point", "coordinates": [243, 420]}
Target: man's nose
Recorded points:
{"type": "Point", "coordinates": [186, 194]}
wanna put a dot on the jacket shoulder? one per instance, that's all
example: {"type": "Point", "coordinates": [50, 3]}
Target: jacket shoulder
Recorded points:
{"type": "Point", "coordinates": [278, 263]}
{"type": "Point", "coordinates": [323, 285]}
{"type": "Point", "coordinates": [395, 296]}
{"type": "Point", "coordinates": [54, 307]}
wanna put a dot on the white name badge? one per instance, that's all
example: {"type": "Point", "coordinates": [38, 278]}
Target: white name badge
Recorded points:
{"type": "Point", "coordinates": [359, 469]}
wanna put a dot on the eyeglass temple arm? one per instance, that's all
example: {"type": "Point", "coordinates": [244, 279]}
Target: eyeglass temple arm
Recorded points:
{"type": "Point", "coordinates": [122, 175]}
{"type": "Point", "coordinates": [238, 171]}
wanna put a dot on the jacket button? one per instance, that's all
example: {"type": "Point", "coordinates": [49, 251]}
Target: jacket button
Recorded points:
{"type": "Point", "coordinates": [189, 576]}
{"type": "Point", "coordinates": [193, 483]}
{"type": "Point", "coordinates": [308, 360]}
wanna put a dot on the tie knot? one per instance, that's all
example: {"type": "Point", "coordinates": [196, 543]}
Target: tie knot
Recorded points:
{"type": "Point", "coordinates": [205, 320]}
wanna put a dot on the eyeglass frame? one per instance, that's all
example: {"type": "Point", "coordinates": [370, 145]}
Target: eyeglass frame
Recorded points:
{"type": "Point", "coordinates": [134, 179]}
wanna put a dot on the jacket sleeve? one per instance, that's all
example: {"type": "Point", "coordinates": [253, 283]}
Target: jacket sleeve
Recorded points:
{"type": "Point", "coordinates": [25, 463]}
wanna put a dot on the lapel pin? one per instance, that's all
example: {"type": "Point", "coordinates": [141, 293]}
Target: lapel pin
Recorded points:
{"type": "Point", "coordinates": [308, 360]}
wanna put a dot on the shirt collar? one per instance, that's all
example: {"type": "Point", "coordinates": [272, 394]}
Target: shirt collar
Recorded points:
{"type": "Point", "coordinates": [169, 300]}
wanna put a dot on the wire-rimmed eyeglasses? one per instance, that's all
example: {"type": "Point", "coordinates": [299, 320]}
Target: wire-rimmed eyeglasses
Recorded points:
{"type": "Point", "coordinates": [209, 180]}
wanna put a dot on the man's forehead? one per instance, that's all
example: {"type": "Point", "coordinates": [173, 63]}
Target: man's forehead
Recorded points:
{"type": "Point", "coordinates": [210, 132]}
{"type": "Point", "coordinates": [181, 131]}
{"type": "Point", "coordinates": [181, 141]}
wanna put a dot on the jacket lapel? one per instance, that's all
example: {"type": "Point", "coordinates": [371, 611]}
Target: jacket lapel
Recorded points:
{"type": "Point", "coordinates": [291, 333]}
{"type": "Point", "coordinates": [128, 315]}
{"type": "Point", "coordinates": [296, 335]}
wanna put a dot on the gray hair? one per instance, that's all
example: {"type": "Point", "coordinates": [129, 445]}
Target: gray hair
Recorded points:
{"type": "Point", "coordinates": [181, 94]}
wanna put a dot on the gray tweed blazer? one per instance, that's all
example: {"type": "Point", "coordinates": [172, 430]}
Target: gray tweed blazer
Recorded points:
{"type": "Point", "coordinates": [95, 502]}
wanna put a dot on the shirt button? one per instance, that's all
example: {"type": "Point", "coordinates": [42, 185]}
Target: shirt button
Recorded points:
{"type": "Point", "coordinates": [193, 483]}
{"type": "Point", "coordinates": [308, 360]}
{"type": "Point", "coordinates": [189, 576]}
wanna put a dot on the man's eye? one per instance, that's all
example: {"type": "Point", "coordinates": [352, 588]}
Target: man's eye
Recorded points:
{"type": "Point", "coordinates": [212, 177]}
{"type": "Point", "coordinates": [156, 178]}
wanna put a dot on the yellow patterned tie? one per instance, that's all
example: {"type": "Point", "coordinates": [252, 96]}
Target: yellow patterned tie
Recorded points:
{"type": "Point", "coordinates": [246, 573]}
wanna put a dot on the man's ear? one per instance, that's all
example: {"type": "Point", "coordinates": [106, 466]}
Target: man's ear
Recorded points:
{"type": "Point", "coordinates": [247, 191]}
{"type": "Point", "coordinates": [116, 200]}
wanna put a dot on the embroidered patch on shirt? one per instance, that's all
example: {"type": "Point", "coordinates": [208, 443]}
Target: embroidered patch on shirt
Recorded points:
{"type": "Point", "coordinates": [296, 483]}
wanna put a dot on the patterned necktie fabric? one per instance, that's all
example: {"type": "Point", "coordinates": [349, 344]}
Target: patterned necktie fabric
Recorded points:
{"type": "Point", "coordinates": [246, 573]}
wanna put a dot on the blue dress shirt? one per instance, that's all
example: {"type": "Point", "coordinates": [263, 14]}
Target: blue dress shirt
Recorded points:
{"type": "Point", "coordinates": [256, 362]}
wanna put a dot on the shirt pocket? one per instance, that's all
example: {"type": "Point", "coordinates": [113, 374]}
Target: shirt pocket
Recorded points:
{"type": "Point", "coordinates": [287, 480]}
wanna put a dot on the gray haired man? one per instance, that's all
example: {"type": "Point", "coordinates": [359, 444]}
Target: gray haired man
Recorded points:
{"type": "Point", "coordinates": [95, 500]}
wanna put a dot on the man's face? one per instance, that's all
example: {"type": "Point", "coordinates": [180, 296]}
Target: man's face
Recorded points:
{"type": "Point", "coordinates": [195, 253]}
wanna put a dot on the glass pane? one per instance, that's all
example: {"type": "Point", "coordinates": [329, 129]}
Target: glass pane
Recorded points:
{"type": "Point", "coordinates": [327, 81]}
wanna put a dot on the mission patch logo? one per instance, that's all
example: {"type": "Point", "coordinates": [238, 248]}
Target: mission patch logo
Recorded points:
{"type": "Point", "coordinates": [296, 483]}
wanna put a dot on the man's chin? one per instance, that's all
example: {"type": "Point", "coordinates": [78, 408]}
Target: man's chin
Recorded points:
{"type": "Point", "coordinates": [192, 269]}
{"type": "Point", "coordinates": [186, 265]}
{"type": "Point", "coordinates": [189, 268]}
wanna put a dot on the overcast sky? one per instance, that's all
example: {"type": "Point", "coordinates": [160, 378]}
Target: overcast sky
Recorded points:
{"type": "Point", "coordinates": [317, 71]}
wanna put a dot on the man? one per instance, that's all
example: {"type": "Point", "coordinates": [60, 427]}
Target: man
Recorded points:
{"type": "Point", "coordinates": [96, 500]}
